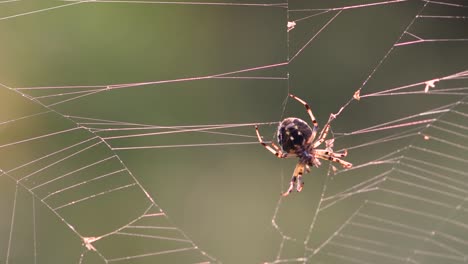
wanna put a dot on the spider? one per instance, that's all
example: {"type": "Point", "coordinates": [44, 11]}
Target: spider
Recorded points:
{"type": "Point", "coordinates": [296, 137]}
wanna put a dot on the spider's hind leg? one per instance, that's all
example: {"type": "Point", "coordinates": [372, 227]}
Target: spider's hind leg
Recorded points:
{"type": "Point", "coordinates": [296, 179]}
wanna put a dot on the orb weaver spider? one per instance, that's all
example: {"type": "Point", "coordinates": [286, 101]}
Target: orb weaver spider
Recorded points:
{"type": "Point", "coordinates": [296, 137]}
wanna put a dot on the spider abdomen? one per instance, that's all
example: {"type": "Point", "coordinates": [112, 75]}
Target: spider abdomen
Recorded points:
{"type": "Point", "coordinates": [293, 134]}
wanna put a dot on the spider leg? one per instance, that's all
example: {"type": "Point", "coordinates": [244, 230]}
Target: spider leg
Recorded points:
{"type": "Point", "coordinates": [331, 156]}
{"type": "Point", "coordinates": [291, 186]}
{"type": "Point", "coordinates": [312, 117]}
{"type": "Point", "coordinates": [273, 148]}
{"type": "Point", "coordinates": [285, 155]}
{"type": "Point", "coordinates": [300, 183]}
{"type": "Point", "coordinates": [296, 179]}
{"type": "Point", "coordinates": [322, 136]}
{"type": "Point", "coordinates": [340, 154]}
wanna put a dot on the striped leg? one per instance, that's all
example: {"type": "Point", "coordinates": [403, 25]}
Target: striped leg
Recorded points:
{"type": "Point", "coordinates": [324, 152]}
{"type": "Point", "coordinates": [312, 117]}
{"type": "Point", "coordinates": [322, 137]}
{"type": "Point", "coordinates": [273, 148]}
{"type": "Point", "coordinates": [326, 155]}
{"type": "Point", "coordinates": [296, 180]}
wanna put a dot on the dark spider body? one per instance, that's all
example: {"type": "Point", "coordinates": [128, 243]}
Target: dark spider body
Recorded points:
{"type": "Point", "coordinates": [293, 134]}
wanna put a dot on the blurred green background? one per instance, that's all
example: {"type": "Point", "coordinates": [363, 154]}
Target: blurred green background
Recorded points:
{"type": "Point", "coordinates": [222, 197]}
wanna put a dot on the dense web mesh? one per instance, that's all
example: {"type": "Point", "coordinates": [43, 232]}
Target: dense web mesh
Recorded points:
{"type": "Point", "coordinates": [127, 131]}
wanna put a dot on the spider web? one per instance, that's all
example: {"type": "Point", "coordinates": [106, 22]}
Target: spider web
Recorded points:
{"type": "Point", "coordinates": [126, 131]}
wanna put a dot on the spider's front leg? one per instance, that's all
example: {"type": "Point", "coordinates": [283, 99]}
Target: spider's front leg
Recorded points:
{"type": "Point", "coordinates": [296, 180]}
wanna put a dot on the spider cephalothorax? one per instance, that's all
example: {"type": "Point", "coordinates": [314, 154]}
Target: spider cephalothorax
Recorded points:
{"type": "Point", "coordinates": [296, 137]}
